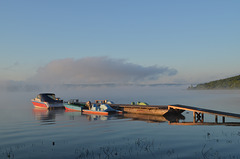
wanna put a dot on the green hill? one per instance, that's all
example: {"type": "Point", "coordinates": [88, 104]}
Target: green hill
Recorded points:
{"type": "Point", "coordinates": [228, 83]}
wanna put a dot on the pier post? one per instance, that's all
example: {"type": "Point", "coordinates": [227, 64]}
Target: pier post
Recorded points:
{"type": "Point", "coordinates": [216, 119]}
{"type": "Point", "coordinates": [194, 116]}
{"type": "Point", "coordinates": [223, 119]}
{"type": "Point", "coordinates": [202, 118]}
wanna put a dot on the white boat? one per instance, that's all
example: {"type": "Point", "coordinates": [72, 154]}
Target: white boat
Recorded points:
{"type": "Point", "coordinates": [47, 101]}
{"type": "Point", "coordinates": [103, 109]}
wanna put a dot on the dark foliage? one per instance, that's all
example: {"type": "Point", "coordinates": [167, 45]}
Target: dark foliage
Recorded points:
{"type": "Point", "coordinates": [228, 83]}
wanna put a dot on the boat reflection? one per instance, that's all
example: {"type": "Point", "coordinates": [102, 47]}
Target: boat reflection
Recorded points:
{"type": "Point", "coordinates": [49, 117]}
{"type": "Point", "coordinates": [92, 117]}
{"type": "Point", "coordinates": [46, 116]}
{"type": "Point", "coordinates": [73, 114]}
{"type": "Point", "coordinates": [141, 117]}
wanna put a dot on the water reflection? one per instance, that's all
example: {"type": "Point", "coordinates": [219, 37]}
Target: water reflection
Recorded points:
{"type": "Point", "coordinates": [73, 114]}
{"type": "Point", "coordinates": [49, 117]}
{"type": "Point", "coordinates": [46, 116]}
{"type": "Point", "coordinates": [205, 123]}
{"type": "Point", "coordinates": [92, 117]}
{"type": "Point", "coordinates": [154, 118]}
{"type": "Point", "coordinates": [200, 120]}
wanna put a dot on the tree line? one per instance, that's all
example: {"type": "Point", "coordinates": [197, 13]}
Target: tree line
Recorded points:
{"type": "Point", "coordinates": [227, 83]}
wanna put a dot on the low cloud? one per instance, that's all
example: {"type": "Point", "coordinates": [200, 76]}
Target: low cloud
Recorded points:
{"type": "Point", "coordinates": [98, 70]}
{"type": "Point", "coordinates": [14, 86]}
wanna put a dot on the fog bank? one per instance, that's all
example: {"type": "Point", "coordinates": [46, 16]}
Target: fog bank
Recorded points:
{"type": "Point", "coordinates": [98, 70]}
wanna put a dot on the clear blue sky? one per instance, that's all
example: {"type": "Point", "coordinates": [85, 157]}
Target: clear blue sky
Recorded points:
{"type": "Point", "coordinates": [199, 39]}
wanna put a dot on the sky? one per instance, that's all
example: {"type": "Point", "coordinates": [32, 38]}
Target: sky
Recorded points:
{"type": "Point", "coordinates": [119, 41]}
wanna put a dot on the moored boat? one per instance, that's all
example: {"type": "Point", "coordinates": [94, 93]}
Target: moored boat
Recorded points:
{"type": "Point", "coordinates": [102, 109]}
{"type": "Point", "coordinates": [73, 105]}
{"type": "Point", "coordinates": [47, 101]}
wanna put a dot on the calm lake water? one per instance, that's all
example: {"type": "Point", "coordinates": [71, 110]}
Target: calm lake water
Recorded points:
{"type": "Point", "coordinates": [26, 132]}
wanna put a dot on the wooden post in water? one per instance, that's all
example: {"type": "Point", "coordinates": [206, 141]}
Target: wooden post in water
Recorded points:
{"type": "Point", "coordinates": [223, 119]}
{"type": "Point", "coordinates": [216, 119]}
{"type": "Point", "coordinates": [194, 116]}
{"type": "Point", "coordinates": [202, 118]}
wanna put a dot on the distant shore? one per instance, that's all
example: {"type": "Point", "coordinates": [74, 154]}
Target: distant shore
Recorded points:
{"type": "Point", "coordinates": [222, 84]}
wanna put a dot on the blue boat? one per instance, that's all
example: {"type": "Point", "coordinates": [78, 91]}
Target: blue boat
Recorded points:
{"type": "Point", "coordinates": [102, 109]}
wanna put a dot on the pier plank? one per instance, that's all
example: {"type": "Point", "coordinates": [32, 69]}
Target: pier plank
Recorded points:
{"type": "Point", "coordinates": [142, 109]}
{"type": "Point", "coordinates": [202, 110]}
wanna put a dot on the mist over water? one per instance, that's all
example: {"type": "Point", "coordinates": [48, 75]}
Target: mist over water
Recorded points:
{"type": "Point", "coordinates": [29, 133]}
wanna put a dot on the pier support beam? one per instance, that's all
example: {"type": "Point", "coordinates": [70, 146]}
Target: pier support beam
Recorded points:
{"type": "Point", "coordinates": [198, 114]}
{"type": "Point", "coordinates": [198, 117]}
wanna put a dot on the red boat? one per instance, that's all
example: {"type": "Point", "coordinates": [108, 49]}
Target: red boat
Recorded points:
{"type": "Point", "coordinates": [47, 101]}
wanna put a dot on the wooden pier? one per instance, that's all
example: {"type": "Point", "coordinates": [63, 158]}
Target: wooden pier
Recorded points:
{"type": "Point", "coordinates": [198, 115]}
{"type": "Point", "coordinates": [142, 109]}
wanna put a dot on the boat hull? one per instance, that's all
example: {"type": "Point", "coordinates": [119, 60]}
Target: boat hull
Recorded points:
{"type": "Point", "coordinates": [86, 111]}
{"type": "Point", "coordinates": [40, 104]}
{"type": "Point", "coordinates": [94, 112]}
{"type": "Point", "coordinates": [47, 105]}
{"type": "Point", "coordinates": [70, 107]}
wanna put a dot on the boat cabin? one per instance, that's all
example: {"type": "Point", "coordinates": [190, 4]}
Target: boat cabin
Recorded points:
{"type": "Point", "coordinates": [48, 97]}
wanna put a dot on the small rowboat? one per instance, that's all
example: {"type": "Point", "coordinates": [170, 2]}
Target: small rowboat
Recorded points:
{"type": "Point", "coordinates": [73, 105]}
